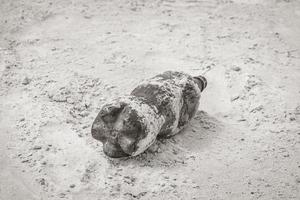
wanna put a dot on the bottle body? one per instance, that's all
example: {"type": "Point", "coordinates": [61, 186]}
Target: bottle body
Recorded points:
{"type": "Point", "coordinates": [158, 107]}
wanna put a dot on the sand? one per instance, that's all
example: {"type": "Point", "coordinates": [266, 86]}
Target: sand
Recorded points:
{"type": "Point", "coordinates": [61, 60]}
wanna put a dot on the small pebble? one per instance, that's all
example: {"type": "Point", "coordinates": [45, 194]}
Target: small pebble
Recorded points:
{"type": "Point", "coordinates": [61, 195]}
{"type": "Point", "coordinates": [37, 147]}
{"type": "Point", "coordinates": [159, 150]}
{"type": "Point", "coordinates": [42, 181]}
{"type": "Point", "coordinates": [235, 68]}
{"type": "Point", "coordinates": [292, 118]}
{"type": "Point", "coordinates": [26, 81]}
{"type": "Point", "coordinates": [235, 97]}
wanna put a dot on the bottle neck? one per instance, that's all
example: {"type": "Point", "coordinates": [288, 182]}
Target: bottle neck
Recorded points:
{"type": "Point", "coordinates": [201, 81]}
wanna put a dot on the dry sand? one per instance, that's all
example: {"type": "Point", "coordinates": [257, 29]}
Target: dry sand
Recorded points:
{"type": "Point", "coordinates": [61, 60]}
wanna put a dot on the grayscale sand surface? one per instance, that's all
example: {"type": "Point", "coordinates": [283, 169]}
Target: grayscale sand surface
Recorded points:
{"type": "Point", "coordinates": [61, 60]}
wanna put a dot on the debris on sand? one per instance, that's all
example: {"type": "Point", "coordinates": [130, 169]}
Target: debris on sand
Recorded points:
{"type": "Point", "coordinates": [26, 81]}
{"type": "Point", "coordinates": [158, 107]}
{"type": "Point", "coordinates": [235, 97]}
{"type": "Point", "coordinates": [235, 68]}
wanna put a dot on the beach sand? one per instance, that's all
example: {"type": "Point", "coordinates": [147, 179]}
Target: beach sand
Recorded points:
{"type": "Point", "coordinates": [61, 60]}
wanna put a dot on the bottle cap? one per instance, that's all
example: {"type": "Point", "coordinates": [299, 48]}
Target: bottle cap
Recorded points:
{"type": "Point", "coordinates": [203, 81]}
